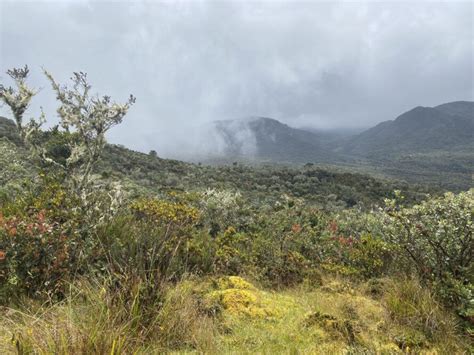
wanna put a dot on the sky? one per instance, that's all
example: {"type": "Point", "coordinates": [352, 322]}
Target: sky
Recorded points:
{"type": "Point", "coordinates": [308, 64]}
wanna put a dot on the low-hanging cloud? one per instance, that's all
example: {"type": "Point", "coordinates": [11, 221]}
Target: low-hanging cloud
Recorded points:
{"type": "Point", "coordinates": [322, 64]}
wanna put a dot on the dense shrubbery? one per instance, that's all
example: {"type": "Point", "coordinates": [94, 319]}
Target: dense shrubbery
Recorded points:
{"type": "Point", "coordinates": [280, 245]}
{"type": "Point", "coordinates": [436, 235]}
{"type": "Point", "coordinates": [44, 238]}
{"type": "Point", "coordinates": [14, 170]}
{"type": "Point", "coordinates": [37, 254]}
{"type": "Point", "coordinates": [329, 188]}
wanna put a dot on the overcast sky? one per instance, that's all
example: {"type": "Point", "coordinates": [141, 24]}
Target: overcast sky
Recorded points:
{"type": "Point", "coordinates": [322, 64]}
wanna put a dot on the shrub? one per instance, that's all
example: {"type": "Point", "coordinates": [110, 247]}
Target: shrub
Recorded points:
{"type": "Point", "coordinates": [436, 239]}
{"type": "Point", "coordinates": [39, 254]}
{"type": "Point", "coordinates": [14, 170]}
{"type": "Point", "coordinates": [358, 253]}
{"type": "Point", "coordinates": [165, 212]}
{"type": "Point", "coordinates": [220, 209]}
{"type": "Point", "coordinates": [286, 243]}
{"type": "Point", "coordinates": [40, 236]}
{"type": "Point", "coordinates": [233, 253]}
{"type": "Point", "coordinates": [370, 256]}
{"type": "Point", "coordinates": [147, 246]}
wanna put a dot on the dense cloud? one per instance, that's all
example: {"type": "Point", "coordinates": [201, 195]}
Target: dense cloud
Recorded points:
{"type": "Point", "coordinates": [308, 64]}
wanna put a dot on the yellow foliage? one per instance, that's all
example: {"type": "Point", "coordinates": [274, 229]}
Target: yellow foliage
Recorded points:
{"type": "Point", "coordinates": [230, 231]}
{"type": "Point", "coordinates": [165, 211]}
{"type": "Point", "coordinates": [239, 297]}
{"type": "Point", "coordinates": [389, 348]}
{"type": "Point", "coordinates": [241, 303]}
{"type": "Point", "coordinates": [236, 282]}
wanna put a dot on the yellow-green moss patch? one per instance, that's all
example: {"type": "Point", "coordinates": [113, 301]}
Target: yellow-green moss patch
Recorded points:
{"type": "Point", "coordinates": [234, 282]}
{"type": "Point", "coordinates": [238, 297]}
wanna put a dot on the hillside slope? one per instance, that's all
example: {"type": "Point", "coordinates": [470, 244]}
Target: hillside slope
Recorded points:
{"type": "Point", "coordinates": [448, 127]}
{"type": "Point", "coordinates": [262, 138]}
{"type": "Point", "coordinates": [458, 108]}
{"type": "Point", "coordinates": [330, 187]}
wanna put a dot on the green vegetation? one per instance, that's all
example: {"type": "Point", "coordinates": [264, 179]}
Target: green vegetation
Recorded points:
{"type": "Point", "coordinates": [105, 250]}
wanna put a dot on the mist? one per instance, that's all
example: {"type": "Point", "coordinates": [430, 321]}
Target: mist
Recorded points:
{"type": "Point", "coordinates": [324, 65]}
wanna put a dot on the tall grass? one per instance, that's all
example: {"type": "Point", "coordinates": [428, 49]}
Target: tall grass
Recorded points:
{"type": "Point", "coordinates": [412, 306]}
{"type": "Point", "coordinates": [94, 319]}
{"type": "Point", "coordinates": [88, 321]}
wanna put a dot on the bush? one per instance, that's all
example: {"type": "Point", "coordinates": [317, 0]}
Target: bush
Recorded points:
{"type": "Point", "coordinates": [14, 170]}
{"type": "Point", "coordinates": [38, 254]}
{"type": "Point", "coordinates": [370, 256]}
{"type": "Point", "coordinates": [436, 239]}
{"type": "Point", "coordinates": [355, 251]}
{"type": "Point", "coordinates": [41, 240]}
{"type": "Point", "coordinates": [282, 244]}
{"type": "Point", "coordinates": [151, 244]}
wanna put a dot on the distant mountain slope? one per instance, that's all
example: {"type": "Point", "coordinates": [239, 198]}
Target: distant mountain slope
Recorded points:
{"type": "Point", "coordinates": [262, 138]}
{"type": "Point", "coordinates": [448, 127]}
{"type": "Point", "coordinates": [458, 108]}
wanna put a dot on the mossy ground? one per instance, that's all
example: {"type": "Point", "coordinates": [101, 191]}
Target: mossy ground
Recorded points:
{"type": "Point", "coordinates": [338, 318]}
{"type": "Point", "coordinates": [232, 315]}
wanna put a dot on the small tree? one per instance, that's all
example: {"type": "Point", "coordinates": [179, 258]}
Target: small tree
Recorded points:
{"type": "Point", "coordinates": [18, 100]}
{"type": "Point", "coordinates": [90, 117]}
{"type": "Point", "coordinates": [87, 118]}
{"type": "Point", "coordinates": [84, 120]}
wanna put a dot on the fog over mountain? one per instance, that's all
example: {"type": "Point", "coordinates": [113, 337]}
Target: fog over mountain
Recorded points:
{"type": "Point", "coordinates": [444, 128]}
{"type": "Point", "coordinates": [307, 64]}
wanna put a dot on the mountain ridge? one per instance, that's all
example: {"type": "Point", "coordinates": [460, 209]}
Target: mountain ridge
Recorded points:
{"type": "Point", "coordinates": [445, 127]}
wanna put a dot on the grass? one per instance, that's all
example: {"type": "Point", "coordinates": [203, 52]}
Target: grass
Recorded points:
{"type": "Point", "coordinates": [230, 315]}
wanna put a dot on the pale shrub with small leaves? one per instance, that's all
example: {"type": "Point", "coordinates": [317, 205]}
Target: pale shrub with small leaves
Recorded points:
{"type": "Point", "coordinates": [436, 238]}
{"type": "Point", "coordinates": [220, 208]}
{"type": "Point", "coordinates": [102, 202]}
{"type": "Point", "coordinates": [85, 119]}
{"type": "Point", "coordinates": [13, 169]}
{"type": "Point", "coordinates": [222, 198]}
{"type": "Point", "coordinates": [18, 100]}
